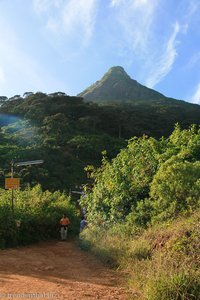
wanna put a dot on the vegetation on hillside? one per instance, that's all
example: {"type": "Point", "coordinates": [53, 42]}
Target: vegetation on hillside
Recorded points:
{"type": "Point", "coordinates": [117, 85]}
{"type": "Point", "coordinates": [161, 262]}
{"type": "Point", "coordinates": [38, 213]}
{"type": "Point", "coordinates": [149, 181]}
{"type": "Point", "coordinates": [68, 134]}
{"type": "Point", "coordinates": [143, 211]}
{"type": "Point", "coordinates": [142, 202]}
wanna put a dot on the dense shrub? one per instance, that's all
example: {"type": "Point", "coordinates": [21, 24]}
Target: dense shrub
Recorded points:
{"type": "Point", "coordinates": [8, 229]}
{"type": "Point", "coordinates": [175, 188]}
{"type": "Point", "coordinates": [39, 214]}
{"type": "Point", "coordinates": [147, 182]}
{"type": "Point", "coordinates": [143, 212]}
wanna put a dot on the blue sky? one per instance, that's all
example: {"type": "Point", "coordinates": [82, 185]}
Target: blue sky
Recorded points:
{"type": "Point", "coordinates": [66, 45]}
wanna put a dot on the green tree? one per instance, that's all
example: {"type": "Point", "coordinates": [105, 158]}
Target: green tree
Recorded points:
{"type": "Point", "coordinates": [175, 188]}
{"type": "Point", "coordinates": [120, 184]}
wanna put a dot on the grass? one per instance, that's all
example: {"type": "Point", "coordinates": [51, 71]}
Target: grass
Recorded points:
{"type": "Point", "coordinates": [179, 286]}
{"type": "Point", "coordinates": [163, 261]}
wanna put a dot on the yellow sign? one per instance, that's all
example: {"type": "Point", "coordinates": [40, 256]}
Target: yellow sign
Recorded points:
{"type": "Point", "coordinates": [12, 183]}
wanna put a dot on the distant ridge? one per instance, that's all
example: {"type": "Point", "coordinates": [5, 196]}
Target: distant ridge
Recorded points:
{"type": "Point", "coordinates": [116, 85]}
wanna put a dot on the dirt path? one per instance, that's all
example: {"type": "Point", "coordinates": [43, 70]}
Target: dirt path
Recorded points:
{"type": "Point", "coordinates": [57, 270]}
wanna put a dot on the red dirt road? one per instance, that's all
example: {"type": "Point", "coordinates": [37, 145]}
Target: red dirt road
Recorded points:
{"type": "Point", "coordinates": [57, 270]}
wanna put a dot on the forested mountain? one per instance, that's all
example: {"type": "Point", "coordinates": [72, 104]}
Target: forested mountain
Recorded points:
{"type": "Point", "coordinates": [117, 85]}
{"type": "Point", "coordinates": [117, 88]}
{"type": "Point", "coordinates": [69, 133]}
{"type": "Point", "coordinates": [64, 131]}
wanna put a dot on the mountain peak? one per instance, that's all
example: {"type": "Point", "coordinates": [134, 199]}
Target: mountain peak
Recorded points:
{"type": "Point", "coordinates": [117, 71]}
{"type": "Point", "coordinates": [116, 68]}
{"type": "Point", "coordinates": [117, 85]}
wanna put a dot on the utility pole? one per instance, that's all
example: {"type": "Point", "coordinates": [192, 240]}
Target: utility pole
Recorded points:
{"type": "Point", "coordinates": [12, 190]}
{"type": "Point", "coordinates": [18, 164]}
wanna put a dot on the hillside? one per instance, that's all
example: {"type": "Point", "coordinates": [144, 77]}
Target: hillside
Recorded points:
{"type": "Point", "coordinates": [142, 203]}
{"type": "Point", "coordinates": [145, 108]}
{"type": "Point", "coordinates": [144, 216]}
{"type": "Point", "coordinates": [69, 133]}
{"type": "Point", "coordinates": [117, 86]}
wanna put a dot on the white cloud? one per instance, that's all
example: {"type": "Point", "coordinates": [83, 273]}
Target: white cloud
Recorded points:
{"type": "Point", "coordinates": [156, 54]}
{"type": "Point", "coordinates": [196, 97]}
{"type": "Point", "coordinates": [139, 3]}
{"type": "Point", "coordinates": [143, 43]}
{"type": "Point", "coordinates": [192, 8]}
{"type": "Point", "coordinates": [72, 19]}
{"type": "Point", "coordinates": [165, 62]}
{"type": "Point", "coordinates": [135, 18]}
{"type": "Point", "coordinates": [79, 17]}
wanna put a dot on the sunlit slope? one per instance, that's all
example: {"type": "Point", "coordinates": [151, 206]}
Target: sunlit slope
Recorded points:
{"type": "Point", "coordinates": [117, 85]}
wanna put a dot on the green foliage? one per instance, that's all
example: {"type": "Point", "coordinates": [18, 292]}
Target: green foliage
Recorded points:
{"type": "Point", "coordinates": [180, 286]}
{"type": "Point", "coordinates": [39, 213]}
{"type": "Point", "coordinates": [141, 214]}
{"type": "Point", "coordinates": [175, 188]}
{"type": "Point", "coordinates": [127, 198]}
{"type": "Point", "coordinates": [120, 184]}
{"type": "Point", "coordinates": [68, 133]}
{"type": "Point", "coordinates": [186, 142]}
{"type": "Point", "coordinates": [64, 131]}
{"type": "Point", "coordinates": [149, 181]}
{"type": "Point", "coordinates": [8, 230]}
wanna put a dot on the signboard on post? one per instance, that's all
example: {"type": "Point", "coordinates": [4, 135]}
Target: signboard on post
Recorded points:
{"type": "Point", "coordinates": [27, 163]}
{"type": "Point", "coordinates": [12, 183]}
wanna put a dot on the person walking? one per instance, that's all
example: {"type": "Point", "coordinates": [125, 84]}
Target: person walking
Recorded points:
{"type": "Point", "coordinates": [83, 223]}
{"type": "Point", "coordinates": [64, 223]}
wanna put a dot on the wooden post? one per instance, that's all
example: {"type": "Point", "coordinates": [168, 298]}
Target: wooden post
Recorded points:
{"type": "Point", "coordinates": [12, 190]}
